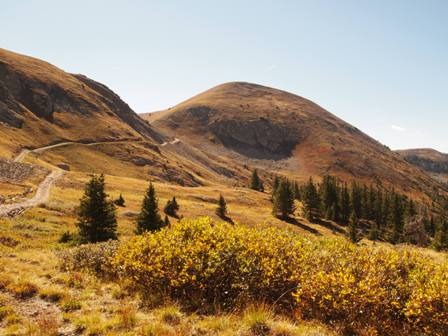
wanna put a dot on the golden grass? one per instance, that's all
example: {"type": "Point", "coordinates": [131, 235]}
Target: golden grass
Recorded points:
{"type": "Point", "coordinates": [85, 303]}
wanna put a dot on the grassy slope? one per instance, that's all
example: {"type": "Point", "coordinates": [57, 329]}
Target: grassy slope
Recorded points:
{"type": "Point", "coordinates": [104, 308]}
{"type": "Point", "coordinates": [79, 110]}
{"type": "Point", "coordinates": [28, 244]}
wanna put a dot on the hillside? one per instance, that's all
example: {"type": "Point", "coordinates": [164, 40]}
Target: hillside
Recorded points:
{"type": "Point", "coordinates": [41, 104]}
{"type": "Point", "coordinates": [430, 160]}
{"type": "Point", "coordinates": [280, 132]}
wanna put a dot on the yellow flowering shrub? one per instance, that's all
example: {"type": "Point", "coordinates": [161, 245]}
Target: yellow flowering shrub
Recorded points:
{"type": "Point", "coordinates": [206, 265]}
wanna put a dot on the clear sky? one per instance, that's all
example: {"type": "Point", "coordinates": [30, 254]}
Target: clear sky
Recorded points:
{"type": "Point", "coordinates": [380, 65]}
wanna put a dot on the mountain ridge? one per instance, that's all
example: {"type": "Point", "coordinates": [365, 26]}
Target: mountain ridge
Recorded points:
{"type": "Point", "coordinates": [40, 99]}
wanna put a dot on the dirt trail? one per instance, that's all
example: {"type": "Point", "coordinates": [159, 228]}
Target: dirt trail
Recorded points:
{"type": "Point", "coordinates": [22, 155]}
{"type": "Point", "coordinates": [43, 190]}
{"type": "Point", "coordinates": [41, 196]}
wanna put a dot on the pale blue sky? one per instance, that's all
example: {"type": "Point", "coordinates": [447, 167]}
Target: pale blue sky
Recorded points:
{"type": "Point", "coordinates": [380, 65]}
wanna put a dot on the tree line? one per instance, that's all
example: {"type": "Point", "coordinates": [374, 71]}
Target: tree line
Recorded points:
{"type": "Point", "coordinates": [369, 211]}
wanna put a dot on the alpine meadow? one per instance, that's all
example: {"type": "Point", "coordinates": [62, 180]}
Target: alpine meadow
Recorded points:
{"type": "Point", "coordinates": [243, 210]}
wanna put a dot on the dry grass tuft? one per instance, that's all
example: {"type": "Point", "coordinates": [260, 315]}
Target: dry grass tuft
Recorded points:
{"type": "Point", "coordinates": [23, 290]}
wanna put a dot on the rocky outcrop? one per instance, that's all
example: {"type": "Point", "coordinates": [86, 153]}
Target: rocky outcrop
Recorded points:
{"type": "Point", "coordinates": [260, 139]}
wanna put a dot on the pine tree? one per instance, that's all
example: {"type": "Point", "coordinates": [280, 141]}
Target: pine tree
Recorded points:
{"type": "Point", "coordinates": [397, 218]}
{"type": "Point", "coordinates": [221, 210]}
{"type": "Point", "coordinates": [441, 235]}
{"type": "Point", "coordinates": [171, 207]}
{"type": "Point", "coordinates": [329, 194]}
{"type": "Point", "coordinates": [311, 201]}
{"type": "Point", "coordinates": [345, 204]}
{"type": "Point", "coordinates": [275, 185]}
{"type": "Point", "coordinates": [356, 198]}
{"type": "Point", "coordinates": [149, 218]}
{"type": "Point", "coordinates": [411, 210]}
{"type": "Point", "coordinates": [166, 222]}
{"type": "Point", "coordinates": [255, 182]}
{"type": "Point", "coordinates": [353, 228]}
{"type": "Point", "coordinates": [378, 211]}
{"type": "Point", "coordinates": [120, 201]}
{"type": "Point", "coordinates": [283, 202]}
{"type": "Point", "coordinates": [297, 194]}
{"type": "Point", "coordinates": [96, 216]}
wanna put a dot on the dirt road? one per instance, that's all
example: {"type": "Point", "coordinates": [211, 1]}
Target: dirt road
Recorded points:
{"type": "Point", "coordinates": [41, 196]}
{"type": "Point", "coordinates": [25, 152]}
{"type": "Point", "coordinates": [43, 190]}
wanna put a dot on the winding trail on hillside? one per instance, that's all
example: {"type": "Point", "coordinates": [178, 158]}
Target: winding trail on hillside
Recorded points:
{"type": "Point", "coordinates": [41, 196]}
{"type": "Point", "coordinates": [43, 190]}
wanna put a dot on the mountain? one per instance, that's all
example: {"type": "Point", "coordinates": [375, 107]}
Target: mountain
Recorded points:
{"type": "Point", "coordinates": [41, 104]}
{"type": "Point", "coordinates": [276, 131]}
{"type": "Point", "coordinates": [430, 160]}
{"type": "Point", "coordinates": [216, 137]}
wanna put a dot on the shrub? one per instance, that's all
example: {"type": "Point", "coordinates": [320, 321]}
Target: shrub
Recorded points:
{"type": "Point", "coordinates": [48, 324]}
{"type": "Point", "coordinates": [65, 237]}
{"type": "Point", "coordinates": [52, 295]}
{"type": "Point", "coordinates": [5, 311]}
{"type": "Point", "coordinates": [4, 281]}
{"type": "Point", "coordinates": [70, 304]}
{"type": "Point", "coordinates": [170, 315]}
{"type": "Point", "coordinates": [207, 266]}
{"type": "Point", "coordinates": [127, 317]}
{"type": "Point", "coordinates": [93, 258]}
{"type": "Point", "coordinates": [258, 320]}
{"type": "Point", "coordinates": [23, 290]}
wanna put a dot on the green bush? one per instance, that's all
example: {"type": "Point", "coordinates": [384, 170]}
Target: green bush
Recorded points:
{"type": "Point", "coordinates": [92, 258]}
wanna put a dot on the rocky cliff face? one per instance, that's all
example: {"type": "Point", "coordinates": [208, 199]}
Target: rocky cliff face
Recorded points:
{"type": "Point", "coordinates": [259, 139]}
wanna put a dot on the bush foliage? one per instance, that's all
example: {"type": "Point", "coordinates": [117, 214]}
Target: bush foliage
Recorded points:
{"type": "Point", "coordinates": [209, 266]}
{"type": "Point", "coordinates": [92, 258]}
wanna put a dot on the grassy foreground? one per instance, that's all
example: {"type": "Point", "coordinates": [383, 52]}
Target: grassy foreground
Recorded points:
{"type": "Point", "coordinates": [201, 277]}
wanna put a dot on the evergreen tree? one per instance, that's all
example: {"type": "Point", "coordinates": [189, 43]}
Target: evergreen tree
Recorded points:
{"type": "Point", "coordinates": [378, 211]}
{"type": "Point", "coordinates": [149, 218]}
{"type": "Point", "coordinates": [96, 216]}
{"type": "Point", "coordinates": [353, 228]}
{"type": "Point", "coordinates": [370, 209]}
{"type": "Point", "coordinates": [441, 235]}
{"type": "Point", "coordinates": [411, 210]}
{"type": "Point", "coordinates": [275, 185]}
{"type": "Point", "coordinates": [283, 202]}
{"type": "Point", "coordinates": [120, 201]}
{"type": "Point", "coordinates": [397, 218]}
{"type": "Point", "coordinates": [166, 221]}
{"type": "Point", "coordinates": [311, 201]}
{"type": "Point", "coordinates": [171, 207]}
{"type": "Point", "coordinates": [329, 195]}
{"type": "Point", "coordinates": [356, 198]}
{"type": "Point", "coordinates": [365, 211]}
{"type": "Point", "coordinates": [345, 204]}
{"type": "Point", "coordinates": [432, 226]}
{"type": "Point", "coordinates": [297, 194]}
{"type": "Point", "coordinates": [255, 182]}
{"type": "Point", "coordinates": [221, 210]}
